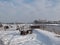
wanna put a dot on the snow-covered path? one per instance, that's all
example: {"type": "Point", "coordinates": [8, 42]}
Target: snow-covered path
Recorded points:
{"type": "Point", "coordinates": [39, 37]}
{"type": "Point", "coordinates": [49, 38]}
{"type": "Point", "coordinates": [43, 38]}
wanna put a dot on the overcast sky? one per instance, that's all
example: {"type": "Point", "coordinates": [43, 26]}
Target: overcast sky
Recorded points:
{"type": "Point", "coordinates": [29, 10]}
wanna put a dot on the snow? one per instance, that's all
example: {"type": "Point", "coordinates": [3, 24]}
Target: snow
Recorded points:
{"type": "Point", "coordinates": [49, 38]}
{"type": "Point", "coordinates": [38, 37]}
{"type": "Point", "coordinates": [13, 38]}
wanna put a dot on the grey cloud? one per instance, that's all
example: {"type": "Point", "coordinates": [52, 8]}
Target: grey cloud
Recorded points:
{"type": "Point", "coordinates": [18, 10]}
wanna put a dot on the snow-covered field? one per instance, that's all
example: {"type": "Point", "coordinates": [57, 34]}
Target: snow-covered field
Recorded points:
{"type": "Point", "coordinates": [38, 37]}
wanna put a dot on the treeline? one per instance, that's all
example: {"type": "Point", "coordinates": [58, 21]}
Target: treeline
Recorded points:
{"type": "Point", "coordinates": [46, 22]}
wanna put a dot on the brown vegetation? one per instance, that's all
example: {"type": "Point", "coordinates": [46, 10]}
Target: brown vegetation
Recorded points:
{"type": "Point", "coordinates": [6, 27]}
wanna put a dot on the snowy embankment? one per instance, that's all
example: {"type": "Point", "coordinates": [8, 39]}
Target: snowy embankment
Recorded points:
{"type": "Point", "coordinates": [39, 37]}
